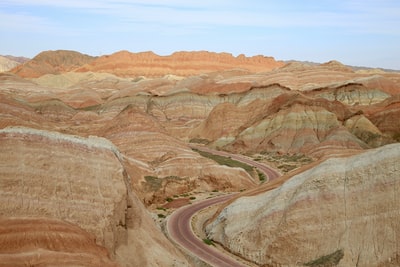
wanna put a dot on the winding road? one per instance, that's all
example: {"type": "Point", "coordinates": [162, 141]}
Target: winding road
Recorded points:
{"type": "Point", "coordinates": [179, 223]}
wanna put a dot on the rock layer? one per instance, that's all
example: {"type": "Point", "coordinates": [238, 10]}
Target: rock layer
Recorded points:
{"type": "Point", "coordinates": [148, 64]}
{"type": "Point", "coordinates": [29, 241]}
{"type": "Point", "coordinates": [345, 207]}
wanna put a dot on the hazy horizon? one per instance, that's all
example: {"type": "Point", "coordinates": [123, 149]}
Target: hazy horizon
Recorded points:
{"type": "Point", "coordinates": [357, 33]}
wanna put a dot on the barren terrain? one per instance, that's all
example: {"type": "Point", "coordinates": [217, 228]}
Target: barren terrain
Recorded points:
{"type": "Point", "coordinates": [104, 148]}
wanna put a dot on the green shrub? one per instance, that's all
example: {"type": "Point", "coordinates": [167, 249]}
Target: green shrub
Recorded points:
{"type": "Point", "coordinates": [261, 176]}
{"type": "Point", "coordinates": [169, 199]}
{"type": "Point", "coordinates": [199, 141]}
{"type": "Point", "coordinates": [208, 242]}
{"type": "Point", "coordinates": [161, 215]}
{"type": "Point", "coordinates": [332, 259]}
{"type": "Point", "coordinates": [226, 161]}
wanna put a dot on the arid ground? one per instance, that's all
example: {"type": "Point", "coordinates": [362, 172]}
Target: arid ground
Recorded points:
{"type": "Point", "coordinates": [97, 153]}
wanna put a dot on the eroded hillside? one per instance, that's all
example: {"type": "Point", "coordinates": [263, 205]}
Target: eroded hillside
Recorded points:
{"type": "Point", "coordinates": [93, 142]}
{"type": "Point", "coordinates": [343, 212]}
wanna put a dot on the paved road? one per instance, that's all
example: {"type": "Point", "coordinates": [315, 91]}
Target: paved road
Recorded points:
{"type": "Point", "coordinates": [180, 230]}
{"type": "Point", "coordinates": [179, 223]}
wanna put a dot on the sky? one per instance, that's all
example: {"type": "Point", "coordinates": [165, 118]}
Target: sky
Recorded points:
{"type": "Point", "coordinates": [354, 32]}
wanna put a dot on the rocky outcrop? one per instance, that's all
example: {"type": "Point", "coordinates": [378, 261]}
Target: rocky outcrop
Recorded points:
{"type": "Point", "coordinates": [343, 212]}
{"type": "Point", "coordinates": [353, 94]}
{"type": "Point", "coordinates": [168, 166]}
{"type": "Point", "coordinates": [81, 181]}
{"type": "Point", "coordinates": [52, 62]}
{"type": "Point", "coordinates": [366, 131]}
{"type": "Point", "coordinates": [385, 116]}
{"type": "Point", "coordinates": [289, 123]}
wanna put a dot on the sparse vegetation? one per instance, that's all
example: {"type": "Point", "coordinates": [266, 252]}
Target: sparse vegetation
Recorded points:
{"type": "Point", "coordinates": [161, 216]}
{"type": "Point", "coordinates": [287, 167]}
{"type": "Point", "coordinates": [396, 137]}
{"type": "Point", "coordinates": [169, 199]}
{"type": "Point", "coordinates": [199, 141]}
{"type": "Point", "coordinates": [226, 161]}
{"type": "Point", "coordinates": [285, 162]}
{"type": "Point", "coordinates": [173, 177]}
{"type": "Point", "coordinates": [192, 198]}
{"type": "Point", "coordinates": [208, 242]}
{"type": "Point", "coordinates": [90, 108]}
{"type": "Point", "coordinates": [332, 259]}
{"type": "Point", "coordinates": [153, 182]}
{"type": "Point", "coordinates": [261, 176]}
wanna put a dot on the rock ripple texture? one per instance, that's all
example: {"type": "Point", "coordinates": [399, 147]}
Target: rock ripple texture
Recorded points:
{"type": "Point", "coordinates": [348, 205]}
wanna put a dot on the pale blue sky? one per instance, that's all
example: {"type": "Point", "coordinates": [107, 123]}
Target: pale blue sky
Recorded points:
{"type": "Point", "coordinates": [355, 32]}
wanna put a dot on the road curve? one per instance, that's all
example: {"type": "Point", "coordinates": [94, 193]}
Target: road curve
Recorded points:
{"type": "Point", "coordinates": [179, 223]}
{"type": "Point", "coordinates": [180, 230]}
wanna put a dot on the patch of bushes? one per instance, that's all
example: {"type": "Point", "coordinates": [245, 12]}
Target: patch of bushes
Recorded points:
{"type": "Point", "coordinates": [199, 141]}
{"type": "Point", "coordinates": [332, 259]}
{"type": "Point", "coordinates": [287, 167]}
{"type": "Point", "coordinates": [221, 160]}
{"type": "Point", "coordinates": [261, 176]}
{"type": "Point", "coordinates": [169, 199]}
{"type": "Point", "coordinates": [161, 216]}
{"type": "Point", "coordinates": [208, 242]}
{"type": "Point", "coordinates": [153, 182]}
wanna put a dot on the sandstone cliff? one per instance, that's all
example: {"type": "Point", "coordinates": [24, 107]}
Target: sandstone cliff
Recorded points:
{"type": "Point", "coordinates": [345, 209]}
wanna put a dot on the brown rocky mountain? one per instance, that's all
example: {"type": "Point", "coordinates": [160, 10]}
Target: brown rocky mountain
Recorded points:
{"type": "Point", "coordinates": [52, 62]}
{"type": "Point", "coordinates": [91, 145]}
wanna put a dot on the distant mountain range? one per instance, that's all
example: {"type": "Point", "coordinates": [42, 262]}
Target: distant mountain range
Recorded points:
{"type": "Point", "coordinates": [355, 68]}
{"type": "Point", "coordinates": [10, 62]}
{"type": "Point", "coordinates": [124, 63]}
